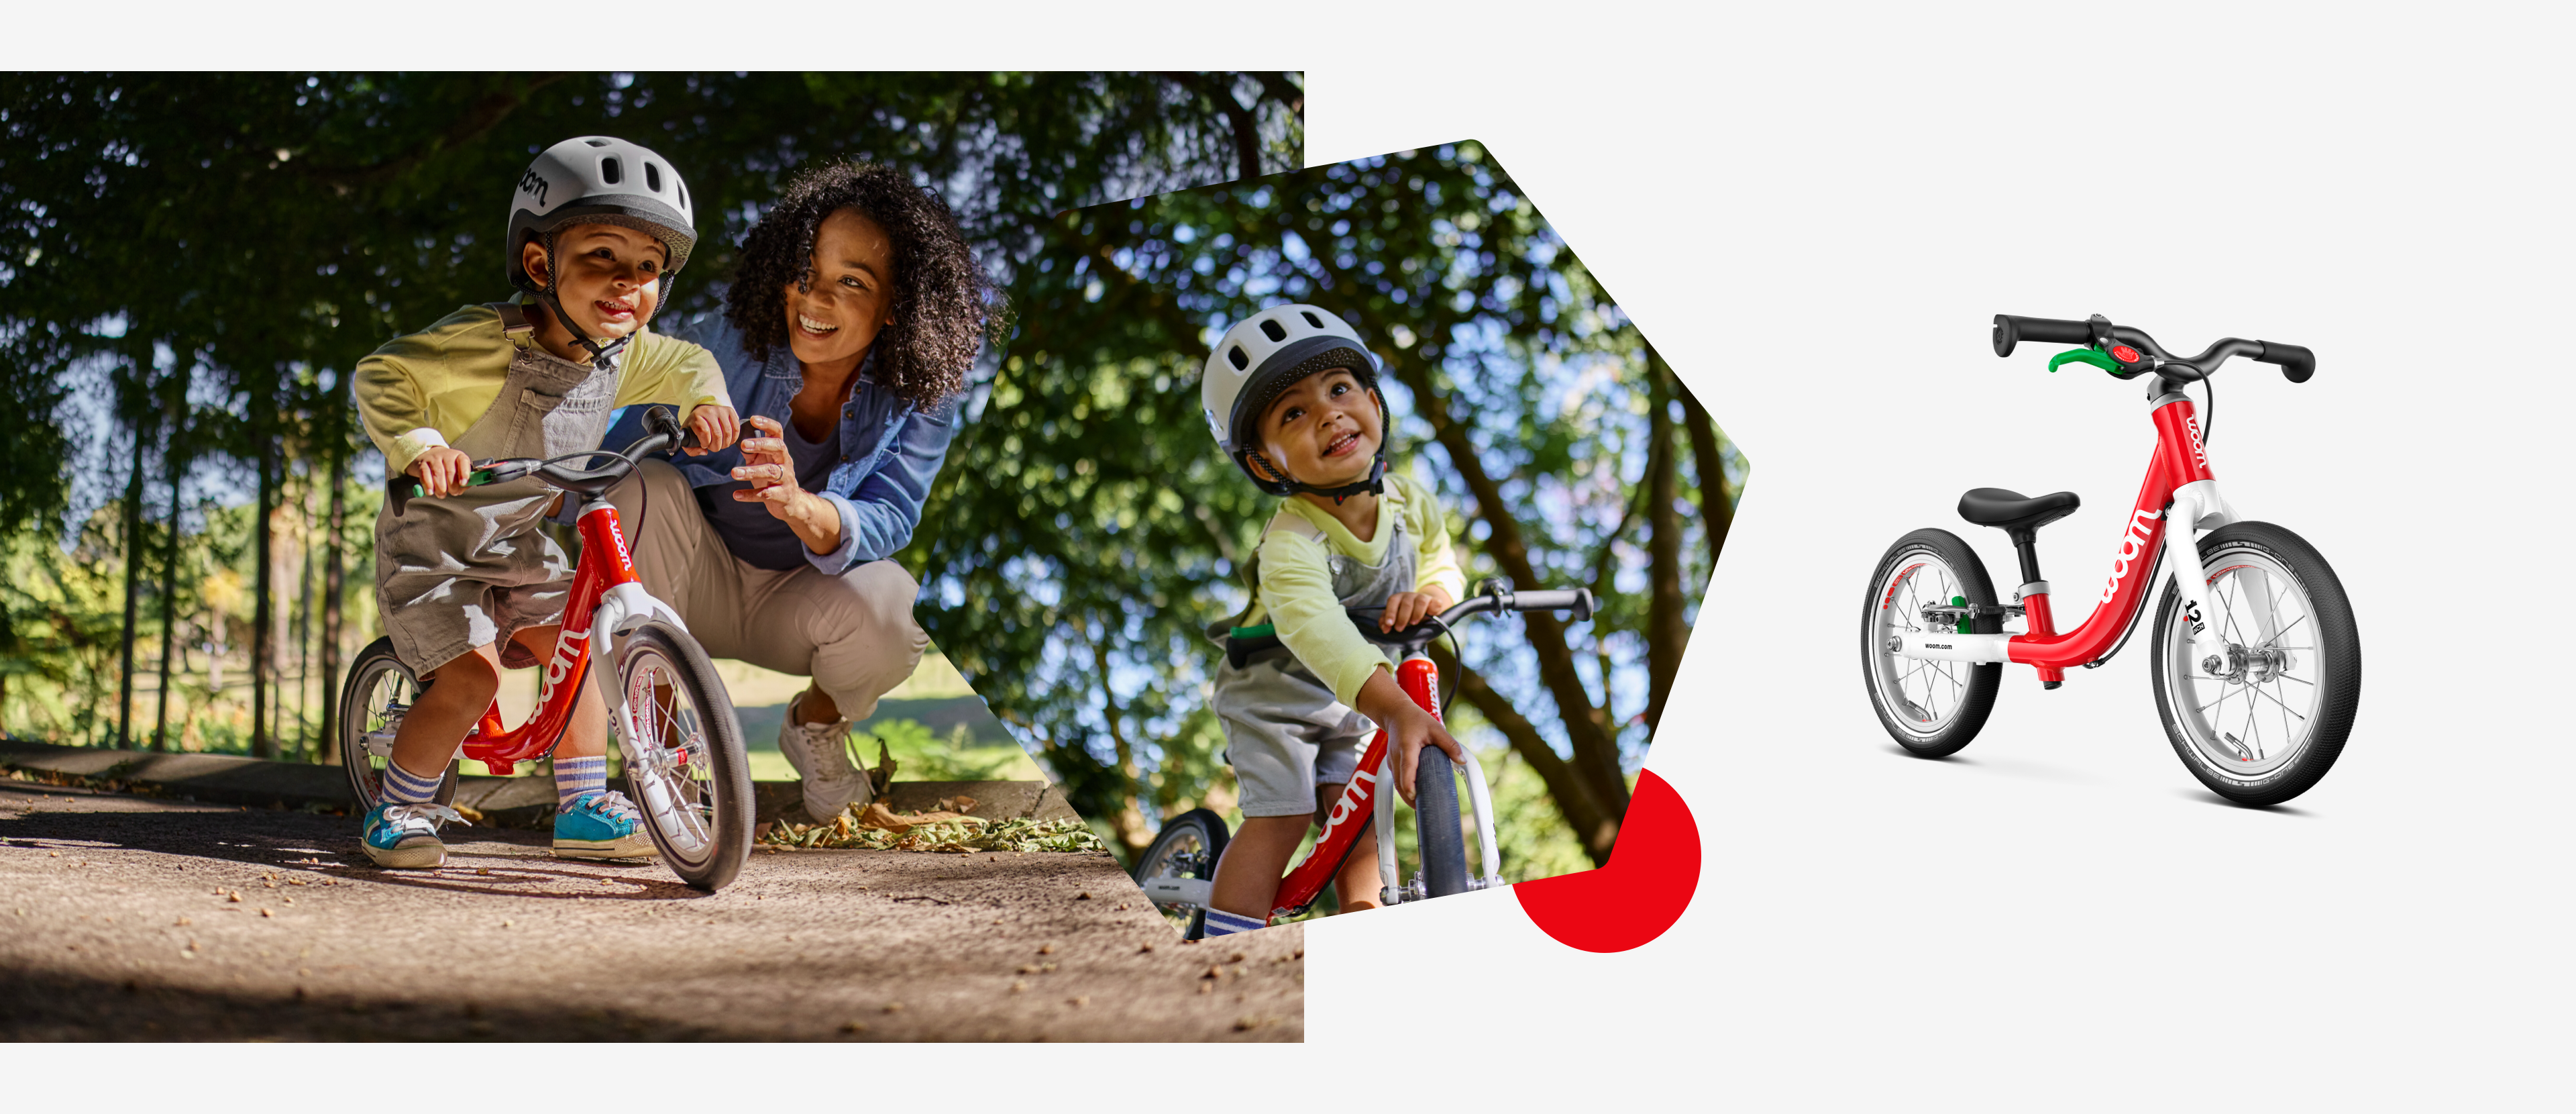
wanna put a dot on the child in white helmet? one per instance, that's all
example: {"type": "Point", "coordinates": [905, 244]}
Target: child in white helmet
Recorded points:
{"type": "Point", "coordinates": [465, 581]}
{"type": "Point", "coordinates": [1292, 397]}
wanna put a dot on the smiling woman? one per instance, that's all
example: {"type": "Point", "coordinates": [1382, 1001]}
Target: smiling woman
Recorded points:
{"type": "Point", "coordinates": [854, 315]}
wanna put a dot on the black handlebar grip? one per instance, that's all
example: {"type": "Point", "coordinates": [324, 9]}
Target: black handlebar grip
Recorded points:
{"type": "Point", "coordinates": [1576, 600]}
{"type": "Point", "coordinates": [2010, 330]}
{"type": "Point", "coordinates": [2297, 364]}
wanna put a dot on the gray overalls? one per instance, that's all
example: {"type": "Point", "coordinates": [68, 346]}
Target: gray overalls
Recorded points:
{"type": "Point", "coordinates": [472, 569]}
{"type": "Point", "coordinates": [1285, 733]}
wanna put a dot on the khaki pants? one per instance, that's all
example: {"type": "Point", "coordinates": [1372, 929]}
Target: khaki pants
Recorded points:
{"type": "Point", "coordinates": [853, 634]}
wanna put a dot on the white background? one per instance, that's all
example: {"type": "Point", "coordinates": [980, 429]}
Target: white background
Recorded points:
{"type": "Point", "coordinates": [1813, 215]}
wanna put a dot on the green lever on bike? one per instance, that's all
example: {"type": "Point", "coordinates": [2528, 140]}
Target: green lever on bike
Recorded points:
{"type": "Point", "coordinates": [2084, 356]}
{"type": "Point", "coordinates": [1961, 601]}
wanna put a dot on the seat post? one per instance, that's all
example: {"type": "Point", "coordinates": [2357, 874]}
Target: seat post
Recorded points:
{"type": "Point", "coordinates": [2025, 542]}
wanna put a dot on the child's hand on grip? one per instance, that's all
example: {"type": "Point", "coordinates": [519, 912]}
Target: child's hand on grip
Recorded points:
{"type": "Point", "coordinates": [442, 471]}
{"type": "Point", "coordinates": [717, 428]}
{"type": "Point", "coordinates": [1403, 609]}
{"type": "Point", "coordinates": [1408, 728]}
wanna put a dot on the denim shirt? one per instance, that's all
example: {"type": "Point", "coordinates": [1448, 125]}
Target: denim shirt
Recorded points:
{"type": "Point", "coordinates": [891, 450]}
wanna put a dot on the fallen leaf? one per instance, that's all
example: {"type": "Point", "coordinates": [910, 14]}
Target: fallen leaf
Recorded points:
{"type": "Point", "coordinates": [1046, 949]}
{"type": "Point", "coordinates": [266, 913]}
{"type": "Point", "coordinates": [854, 1026]}
{"type": "Point", "coordinates": [894, 1007]}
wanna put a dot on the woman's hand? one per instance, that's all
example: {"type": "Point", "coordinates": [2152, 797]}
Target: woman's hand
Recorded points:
{"type": "Point", "coordinates": [1408, 728]}
{"type": "Point", "coordinates": [1404, 609]}
{"type": "Point", "coordinates": [442, 471]}
{"type": "Point", "coordinates": [772, 475]}
{"type": "Point", "coordinates": [716, 427]}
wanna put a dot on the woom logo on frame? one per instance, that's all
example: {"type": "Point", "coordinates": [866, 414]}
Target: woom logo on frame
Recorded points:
{"type": "Point", "coordinates": [2133, 545]}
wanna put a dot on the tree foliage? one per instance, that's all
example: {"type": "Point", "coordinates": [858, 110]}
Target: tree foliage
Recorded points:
{"type": "Point", "coordinates": [196, 260]}
{"type": "Point", "coordinates": [1088, 530]}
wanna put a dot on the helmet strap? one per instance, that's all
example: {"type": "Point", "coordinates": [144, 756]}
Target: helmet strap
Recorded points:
{"type": "Point", "coordinates": [602, 356]}
{"type": "Point", "coordinates": [1282, 483]}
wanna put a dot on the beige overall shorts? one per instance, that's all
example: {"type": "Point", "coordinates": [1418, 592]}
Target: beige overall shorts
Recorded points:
{"type": "Point", "coordinates": [1285, 732]}
{"type": "Point", "coordinates": [472, 569]}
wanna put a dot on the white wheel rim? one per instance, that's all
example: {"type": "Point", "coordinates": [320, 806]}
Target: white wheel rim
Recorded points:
{"type": "Point", "coordinates": [1921, 696]}
{"type": "Point", "coordinates": [2248, 725]}
{"type": "Point", "coordinates": [669, 735]}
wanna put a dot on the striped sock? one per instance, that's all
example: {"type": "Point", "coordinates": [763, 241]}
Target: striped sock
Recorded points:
{"type": "Point", "coordinates": [576, 776]}
{"type": "Point", "coordinates": [1222, 923]}
{"type": "Point", "coordinates": [402, 787]}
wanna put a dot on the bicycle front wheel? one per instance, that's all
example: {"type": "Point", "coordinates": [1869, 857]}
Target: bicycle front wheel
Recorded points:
{"type": "Point", "coordinates": [685, 763]}
{"type": "Point", "coordinates": [379, 691]}
{"type": "Point", "coordinates": [2259, 707]}
{"type": "Point", "coordinates": [1188, 847]}
{"type": "Point", "coordinates": [1931, 708]}
{"type": "Point", "coordinates": [1435, 824]}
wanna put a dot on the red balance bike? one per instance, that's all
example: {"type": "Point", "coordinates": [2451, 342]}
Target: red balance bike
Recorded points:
{"type": "Point", "coordinates": [1178, 869]}
{"type": "Point", "coordinates": [674, 724]}
{"type": "Point", "coordinates": [2257, 666]}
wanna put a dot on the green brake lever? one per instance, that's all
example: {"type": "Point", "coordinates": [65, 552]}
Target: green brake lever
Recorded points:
{"type": "Point", "coordinates": [2085, 356]}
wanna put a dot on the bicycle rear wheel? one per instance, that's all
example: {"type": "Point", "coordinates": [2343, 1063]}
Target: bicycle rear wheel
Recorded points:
{"type": "Point", "coordinates": [1188, 847]}
{"type": "Point", "coordinates": [379, 690]}
{"type": "Point", "coordinates": [1435, 824]}
{"type": "Point", "coordinates": [1931, 708]}
{"type": "Point", "coordinates": [685, 763]}
{"type": "Point", "coordinates": [2264, 713]}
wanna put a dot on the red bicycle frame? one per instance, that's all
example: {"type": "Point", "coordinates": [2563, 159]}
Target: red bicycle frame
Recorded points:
{"type": "Point", "coordinates": [2179, 486]}
{"type": "Point", "coordinates": [1297, 892]}
{"type": "Point", "coordinates": [604, 565]}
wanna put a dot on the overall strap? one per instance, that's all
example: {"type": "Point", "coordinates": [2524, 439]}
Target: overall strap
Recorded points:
{"type": "Point", "coordinates": [514, 323]}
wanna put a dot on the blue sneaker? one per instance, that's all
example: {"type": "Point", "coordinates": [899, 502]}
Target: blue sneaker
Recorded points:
{"type": "Point", "coordinates": [601, 825]}
{"type": "Point", "coordinates": [405, 837]}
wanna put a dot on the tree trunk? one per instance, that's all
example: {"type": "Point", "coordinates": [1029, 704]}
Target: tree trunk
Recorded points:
{"type": "Point", "coordinates": [170, 457]}
{"type": "Point", "coordinates": [173, 461]}
{"type": "Point", "coordinates": [304, 627]}
{"type": "Point", "coordinates": [133, 585]}
{"type": "Point", "coordinates": [331, 591]}
{"type": "Point", "coordinates": [1596, 751]}
{"type": "Point", "coordinates": [1708, 458]}
{"type": "Point", "coordinates": [1666, 631]}
{"type": "Point", "coordinates": [262, 745]}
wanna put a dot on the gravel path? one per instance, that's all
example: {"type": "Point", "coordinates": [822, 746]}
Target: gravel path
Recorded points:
{"type": "Point", "coordinates": [118, 921]}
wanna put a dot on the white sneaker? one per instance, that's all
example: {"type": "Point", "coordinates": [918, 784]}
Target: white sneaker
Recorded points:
{"type": "Point", "coordinates": [820, 754]}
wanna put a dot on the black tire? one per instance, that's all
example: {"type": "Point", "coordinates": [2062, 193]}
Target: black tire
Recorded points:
{"type": "Point", "coordinates": [1925, 727]}
{"type": "Point", "coordinates": [687, 769]}
{"type": "Point", "coordinates": [1435, 824]}
{"type": "Point", "coordinates": [2315, 653]}
{"type": "Point", "coordinates": [1188, 847]}
{"type": "Point", "coordinates": [375, 679]}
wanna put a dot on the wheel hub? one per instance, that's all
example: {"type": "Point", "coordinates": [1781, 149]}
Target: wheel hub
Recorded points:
{"type": "Point", "coordinates": [2241, 664]}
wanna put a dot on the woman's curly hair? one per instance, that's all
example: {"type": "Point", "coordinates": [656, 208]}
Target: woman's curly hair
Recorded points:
{"type": "Point", "coordinates": [944, 302]}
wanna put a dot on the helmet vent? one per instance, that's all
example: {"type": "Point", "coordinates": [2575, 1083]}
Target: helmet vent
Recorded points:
{"type": "Point", "coordinates": [1311, 319]}
{"type": "Point", "coordinates": [596, 142]}
{"type": "Point", "coordinates": [610, 171]}
{"type": "Point", "coordinates": [1272, 330]}
{"type": "Point", "coordinates": [1236, 357]}
{"type": "Point", "coordinates": [684, 195]}
{"type": "Point", "coordinates": [652, 178]}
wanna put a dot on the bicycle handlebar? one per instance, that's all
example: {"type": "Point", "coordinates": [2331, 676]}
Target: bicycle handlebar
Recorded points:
{"type": "Point", "coordinates": [1495, 597]}
{"type": "Point", "coordinates": [664, 432]}
{"type": "Point", "coordinates": [2297, 364]}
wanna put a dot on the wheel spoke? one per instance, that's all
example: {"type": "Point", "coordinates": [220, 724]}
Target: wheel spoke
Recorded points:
{"type": "Point", "coordinates": [2274, 699]}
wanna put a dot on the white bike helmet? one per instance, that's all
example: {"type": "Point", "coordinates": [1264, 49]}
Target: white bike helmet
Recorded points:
{"type": "Point", "coordinates": [598, 179]}
{"type": "Point", "coordinates": [1262, 356]}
